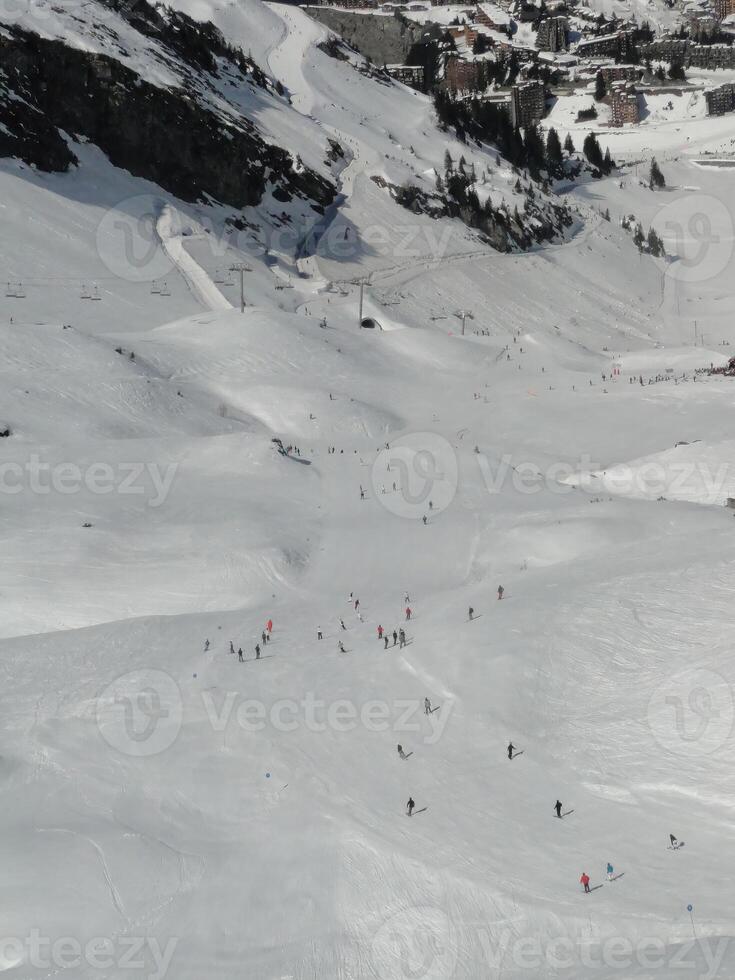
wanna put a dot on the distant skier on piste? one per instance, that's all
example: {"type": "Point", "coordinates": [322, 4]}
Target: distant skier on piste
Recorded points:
{"type": "Point", "coordinates": [401, 753]}
{"type": "Point", "coordinates": [471, 613]}
{"type": "Point", "coordinates": [610, 871]}
{"type": "Point", "coordinates": [239, 654]}
{"type": "Point", "coordinates": [408, 612]}
{"type": "Point", "coordinates": [409, 806]}
{"type": "Point", "coordinates": [257, 651]}
{"type": "Point", "coordinates": [501, 591]}
{"type": "Point", "coordinates": [206, 645]}
{"type": "Point", "coordinates": [511, 749]}
{"type": "Point", "coordinates": [585, 880]}
{"type": "Point", "coordinates": [427, 706]}
{"type": "Point", "coordinates": [380, 632]}
{"type": "Point", "coordinates": [674, 841]}
{"type": "Point", "coordinates": [557, 807]}
{"type": "Point", "coordinates": [401, 639]}
{"type": "Point", "coordinates": [395, 637]}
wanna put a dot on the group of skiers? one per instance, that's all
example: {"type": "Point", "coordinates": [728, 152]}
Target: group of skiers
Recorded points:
{"type": "Point", "coordinates": [399, 635]}
{"type": "Point", "coordinates": [265, 638]}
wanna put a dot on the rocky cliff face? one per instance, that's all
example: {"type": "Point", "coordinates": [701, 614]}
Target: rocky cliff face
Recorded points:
{"type": "Point", "coordinates": [385, 40]}
{"type": "Point", "coordinates": [171, 136]}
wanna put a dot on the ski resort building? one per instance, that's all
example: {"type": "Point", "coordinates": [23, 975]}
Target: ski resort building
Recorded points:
{"type": "Point", "coordinates": [720, 100]}
{"type": "Point", "coordinates": [621, 44]}
{"type": "Point", "coordinates": [623, 104]}
{"type": "Point", "coordinates": [492, 16]}
{"type": "Point", "coordinates": [723, 8]}
{"type": "Point", "coordinates": [461, 75]}
{"type": "Point", "coordinates": [553, 34]}
{"type": "Point", "coordinates": [412, 75]}
{"type": "Point", "coordinates": [527, 103]}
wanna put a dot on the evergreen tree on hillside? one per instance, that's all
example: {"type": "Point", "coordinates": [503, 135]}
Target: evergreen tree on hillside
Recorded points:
{"type": "Point", "coordinates": [656, 177]}
{"type": "Point", "coordinates": [554, 155]}
{"type": "Point", "coordinates": [655, 245]}
{"type": "Point", "coordinates": [600, 87]}
{"type": "Point", "coordinates": [592, 151]}
{"type": "Point", "coordinates": [638, 237]}
{"type": "Point", "coordinates": [569, 144]}
{"type": "Point", "coordinates": [535, 151]}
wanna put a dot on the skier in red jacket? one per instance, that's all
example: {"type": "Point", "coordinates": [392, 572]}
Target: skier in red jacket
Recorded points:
{"type": "Point", "coordinates": [585, 880]}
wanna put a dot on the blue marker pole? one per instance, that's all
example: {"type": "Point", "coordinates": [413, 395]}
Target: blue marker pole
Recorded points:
{"type": "Point", "coordinates": [690, 910]}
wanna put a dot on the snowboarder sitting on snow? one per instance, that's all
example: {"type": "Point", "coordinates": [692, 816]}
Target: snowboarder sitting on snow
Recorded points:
{"type": "Point", "coordinates": [585, 880]}
{"type": "Point", "coordinates": [557, 807]}
{"type": "Point", "coordinates": [409, 806]}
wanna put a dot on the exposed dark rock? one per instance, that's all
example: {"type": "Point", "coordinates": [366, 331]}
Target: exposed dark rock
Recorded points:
{"type": "Point", "coordinates": [163, 135]}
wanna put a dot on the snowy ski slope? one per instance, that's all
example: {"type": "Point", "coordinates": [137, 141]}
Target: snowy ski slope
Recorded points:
{"type": "Point", "coordinates": [229, 819]}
